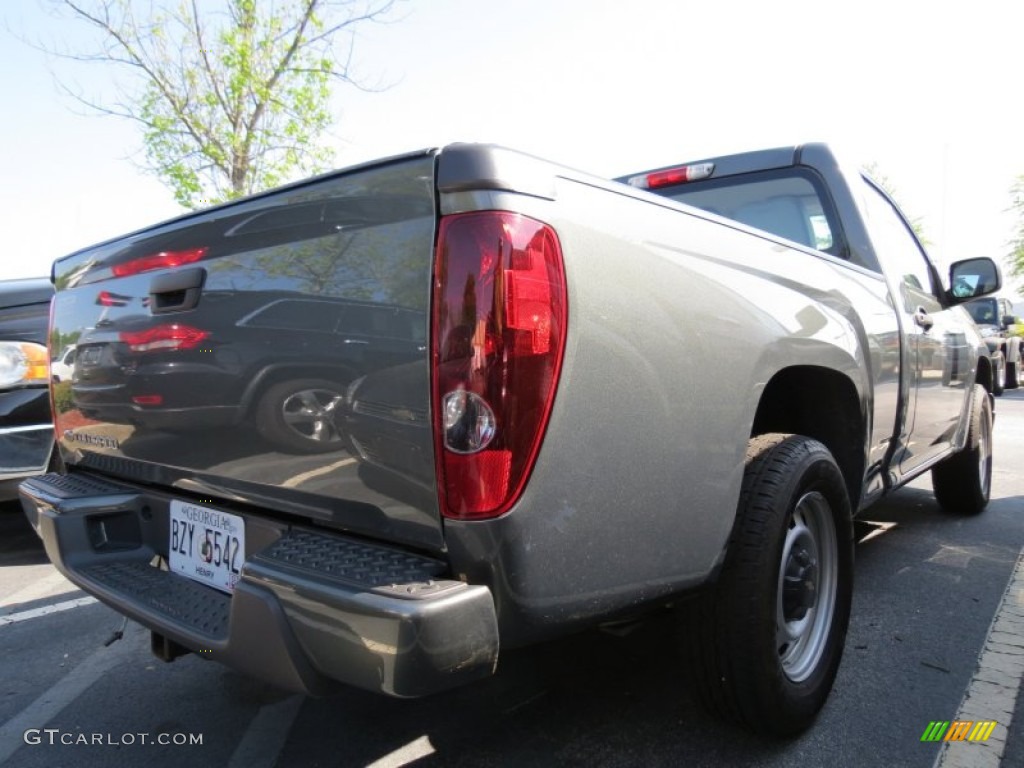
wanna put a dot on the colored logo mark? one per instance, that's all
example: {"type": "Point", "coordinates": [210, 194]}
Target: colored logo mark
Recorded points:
{"type": "Point", "coordinates": [959, 730]}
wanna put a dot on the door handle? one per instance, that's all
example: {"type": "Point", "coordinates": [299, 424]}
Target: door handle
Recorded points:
{"type": "Point", "coordinates": [923, 319]}
{"type": "Point", "coordinates": [176, 291]}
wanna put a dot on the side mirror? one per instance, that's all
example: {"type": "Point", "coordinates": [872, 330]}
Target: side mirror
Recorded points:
{"type": "Point", "coordinates": [972, 278]}
{"type": "Point", "coordinates": [1009, 320]}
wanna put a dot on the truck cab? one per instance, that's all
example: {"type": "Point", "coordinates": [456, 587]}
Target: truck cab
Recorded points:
{"type": "Point", "coordinates": [809, 198]}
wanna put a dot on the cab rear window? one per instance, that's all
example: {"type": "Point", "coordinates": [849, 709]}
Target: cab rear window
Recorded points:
{"type": "Point", "coordinates": [789, 203]}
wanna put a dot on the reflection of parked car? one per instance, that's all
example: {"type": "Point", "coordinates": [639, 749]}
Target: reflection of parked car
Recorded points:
{"type": "Point", "coordinates": [386, 419]}
{"type": "Point", "coordinates": [26, 428]}
{"type": "Point", "coordinates": [63, 367]}
{"type": "Point", "coordinates": [284, 357]}
{"type": "Point", "coordinates": [994, 317]}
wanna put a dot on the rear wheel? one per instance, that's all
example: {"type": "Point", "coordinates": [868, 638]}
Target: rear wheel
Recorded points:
{"type": "Point", "coordinates": [1012, 375]}
{"type": "Point", "coordinates": [963, 482]}
{"type": "Point", "coordinates": [999, 376]}
{"type": "Point", "coordinates": [763, 645]}
{"type": "Point", "coordinates": [301, 416]}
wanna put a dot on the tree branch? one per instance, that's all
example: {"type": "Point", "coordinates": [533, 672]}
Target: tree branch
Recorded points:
{"type": "Point", "coordinates": [230, 100]}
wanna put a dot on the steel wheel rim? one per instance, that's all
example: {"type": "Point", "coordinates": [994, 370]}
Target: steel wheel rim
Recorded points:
{"type": "Point", "coordinates": [985, 454]}
{"type": "Point", "coordinates": [807, 585]}
{"type": "Point", "coordinates": [310, 413]}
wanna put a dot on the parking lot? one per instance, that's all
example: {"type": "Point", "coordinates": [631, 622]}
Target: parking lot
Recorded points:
{"type": "Point", "coordinates": [927, 588]}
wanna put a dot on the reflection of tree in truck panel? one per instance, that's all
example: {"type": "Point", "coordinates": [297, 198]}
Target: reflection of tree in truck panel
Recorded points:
{"type": "Point", "coordinates": [378, 264]}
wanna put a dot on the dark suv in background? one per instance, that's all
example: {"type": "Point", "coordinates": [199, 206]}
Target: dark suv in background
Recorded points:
{"type": "Point", "coordinates": [26, 426]}
{"type": "Point", "coordinates": [284, 357]}
{"type": "Point", "coordinates": [994, 316]}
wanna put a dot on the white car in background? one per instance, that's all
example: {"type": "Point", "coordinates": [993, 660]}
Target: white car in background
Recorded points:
{"type": "Point", "coordinates": [62, 368]}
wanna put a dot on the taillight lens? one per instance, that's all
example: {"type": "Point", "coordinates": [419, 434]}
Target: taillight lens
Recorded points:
{"type": "Point", "coordinates": [164, 338]}
{"type": "Point", "coordinates": [158, 261]}
{"type": "Point", "coordinates": [499, 324]}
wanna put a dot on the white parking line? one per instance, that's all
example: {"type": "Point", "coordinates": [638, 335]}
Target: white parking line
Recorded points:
{"type": "Point", "coordinates": [411, 752]}
{"type": "Point", "coordinates": [992, 692]}
{"type": "Point", "coordinates": [46, 610]}
{"type": "Point", "coordinates": [266, 735]}
{"type": "Point", "coordinates": [51, 585]}
{"type": "Point", "coordinates": [71, 686]}
{"type": "Point", "coordinates": [294, 482]}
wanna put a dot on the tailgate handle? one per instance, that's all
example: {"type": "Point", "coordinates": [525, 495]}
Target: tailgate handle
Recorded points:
{"type": "Point", "coordinates": [176, 291]}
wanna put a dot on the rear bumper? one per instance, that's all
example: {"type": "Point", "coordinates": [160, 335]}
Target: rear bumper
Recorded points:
{"type": "Point", "coordinates": [311, 609]}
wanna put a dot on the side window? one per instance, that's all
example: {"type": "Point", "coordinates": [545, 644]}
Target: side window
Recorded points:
{"type": "Point", "coordinates": [898, 250]}
{"type": "Point", "coordinates": [788, 203]}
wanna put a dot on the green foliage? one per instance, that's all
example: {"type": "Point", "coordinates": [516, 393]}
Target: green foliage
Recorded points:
{"type": "Point", "coordinates": [232, 100]}
{"type": "Point", "coordinates": [61, 341]}
{"type": "Point", "coordinates": [916, 222]}
{"type": "Point", "coordinates": [62, 399]}
{"type": "Point", "coordinates": [1016, 253]}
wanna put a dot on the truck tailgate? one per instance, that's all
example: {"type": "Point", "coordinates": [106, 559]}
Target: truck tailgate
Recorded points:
{"type": "Point", "coordinates": [217, 353]}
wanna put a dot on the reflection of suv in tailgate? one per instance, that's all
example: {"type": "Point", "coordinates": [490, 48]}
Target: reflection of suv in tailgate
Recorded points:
{"type": "Point", "coordinates": [26, 428]}
{"type": "Point", "coordinates": [280, 359]}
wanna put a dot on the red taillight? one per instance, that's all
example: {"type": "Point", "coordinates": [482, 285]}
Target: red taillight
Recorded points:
{"type": "Point", "coordinates": [671, 176]}
{"type": "Point", "coordinates": [111, 299]}
{"type": "Point", "coordinates": [158, 261]}
{"type": "Point", "coordinates": [163, 338]}
{"type": "Point", "coordinates": [148, 399]}
{"type": "Point", "coordinates": [499, 323]}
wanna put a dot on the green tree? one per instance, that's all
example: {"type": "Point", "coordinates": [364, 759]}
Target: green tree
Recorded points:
{"type": "Point", "coordinates": [916, 222]}
{"type": "Point", "coordinates": [230, 100]}
{"type": "Point", "coordinates": [1016, 253]}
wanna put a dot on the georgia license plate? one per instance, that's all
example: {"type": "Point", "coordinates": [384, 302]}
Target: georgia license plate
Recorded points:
{"type": "Point", "coordinates": [206, 545]}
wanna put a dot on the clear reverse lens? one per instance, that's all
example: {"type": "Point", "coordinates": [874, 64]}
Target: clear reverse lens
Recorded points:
{"type": "Point", "coordinates": [469, 423]}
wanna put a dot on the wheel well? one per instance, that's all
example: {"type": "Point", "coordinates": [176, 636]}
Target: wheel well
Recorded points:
{"type": "Point", "coordinates": [822, 404]}
{"type": "Point", "coordinates": [985, 375]}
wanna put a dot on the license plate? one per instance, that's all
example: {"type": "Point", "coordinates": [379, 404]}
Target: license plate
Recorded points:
{"type": "Point", "coordinates": [206, 545]}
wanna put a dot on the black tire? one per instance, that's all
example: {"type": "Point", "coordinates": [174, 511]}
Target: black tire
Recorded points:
{"type": "Point", "coordinates": [300, 416]}
{"type": "Point", "coordinates": [1012, 375]}
{"type": "Point", "coordinates": [963, 482]}
{"type": "Point", "coordinates": [999, 377]}
{"type": "Point", "coordinates": [758, 653]}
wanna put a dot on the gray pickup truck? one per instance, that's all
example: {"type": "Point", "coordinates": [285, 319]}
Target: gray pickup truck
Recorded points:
{"type": "Point", "coordinates": [372, 427]}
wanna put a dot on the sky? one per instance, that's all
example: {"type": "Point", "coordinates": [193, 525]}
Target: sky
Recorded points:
{"type": "Point", "coordinates": [926, 91]}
